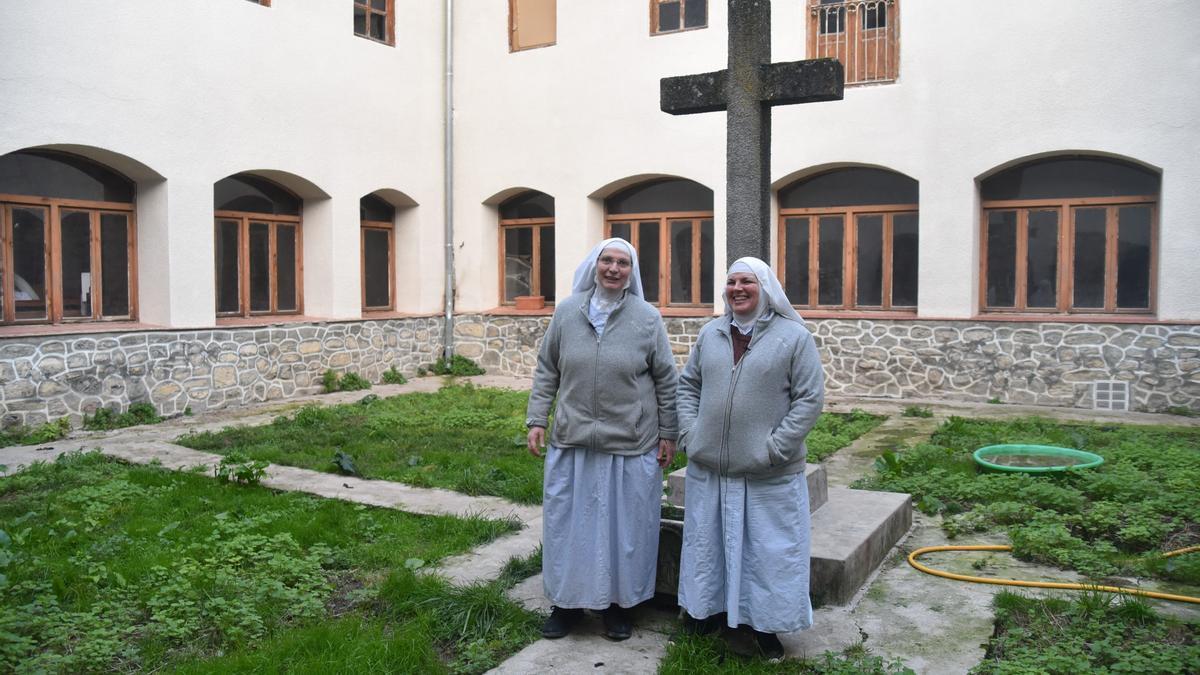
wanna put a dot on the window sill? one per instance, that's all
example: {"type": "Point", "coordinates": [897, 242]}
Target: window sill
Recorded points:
{"type": "Point", "coordinates": [853, 314]}
{"type": "Point", "coordinates": [509, 310]}
{"type": "Point", "coordinates": [77, 328]}
{"type": "Point", "coordinates": [266, 320]}
{"type": "Point", "coordinates": [381, 314]}
{"type": "Point", "coordinates": [686, 312]}
{"type": "Point", "coordinates": [1072, 318]}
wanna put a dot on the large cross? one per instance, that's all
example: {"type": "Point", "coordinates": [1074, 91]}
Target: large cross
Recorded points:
{"type": "Point", "coordinates": [747, 89]}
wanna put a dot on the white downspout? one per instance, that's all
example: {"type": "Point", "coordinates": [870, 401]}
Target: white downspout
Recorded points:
{"type": "Point", "coordinates": [448, 187]}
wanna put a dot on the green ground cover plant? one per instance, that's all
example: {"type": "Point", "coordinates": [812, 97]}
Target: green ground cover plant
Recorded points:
{"type": "Point", "coordinates": [334, 382]}
{"type": "Point", "coordinates": [689, 655]}
{"type": "Point", "coordinates": [1093, 633]}
{"type": "Point", "coordinates": [458, 366]}
{"type": "Point", "coordinates": [917, 411]}
{"type": "Point", "coordinates": [464, 438]}
{"type": "Point", "coordinates": [46, 432]}
{"type": "Point", "coordinates": [111, 567]}
{"type": "Point", "coordinates": [108, 418]}
{"type": "Point", "coordinates": [1115, 519]}
{"type": "Point", "coordinates": [393, 376]}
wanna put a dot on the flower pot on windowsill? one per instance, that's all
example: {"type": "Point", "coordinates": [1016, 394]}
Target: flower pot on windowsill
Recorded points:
{"type": "Point", "coordinates": [530, 301]}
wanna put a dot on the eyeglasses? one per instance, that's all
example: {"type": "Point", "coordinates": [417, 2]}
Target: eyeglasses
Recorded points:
{"type": "Point", "coordinates": [609, 261]}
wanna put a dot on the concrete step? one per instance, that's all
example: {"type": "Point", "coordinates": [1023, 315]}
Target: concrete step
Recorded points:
{"type": "Point", "coordinates": [818, 486]}
{"type": "Point", "coordinates": [851, 535]}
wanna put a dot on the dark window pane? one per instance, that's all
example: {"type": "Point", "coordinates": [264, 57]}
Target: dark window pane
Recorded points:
{"type": "Point", "coordinates": [260, 267]}
{"type": "Point", "coordinates": [831, 19]}
{"type": "Point", "coordinates": [905, 246]}
{"type": "Point", "coordinates": [114, 264]}
{"type": "Point", "coordinates": [56, 174]}
{"type": "Point", "coordinates": [681, 261]}
{"type": "Point", "coordinates": [531, 204]}
{"type": "Point", "coordinates": [1041, 271]}
{"type": "Point", "coordinates": [1133, 257]}
{"type": "Point", "coordinates": [1062, 177]}
{"type": "Point", "coordinates": [360, 21]}
{"type": "Point", "coordinates": [380, 5]}
{"type": "Point", "coordinates": [663, 195]}
{"type": "Point", "coordinates": [376, 208]}
{"type": "Point", "coordinates": [244, 192]}
{"type": "Point", "coordinates": [648, 248]}
{"type": "Point", "coordinates": [849, 187]}
{"type": "Point", "coordinates": [830, 260]}
{"type": "Point", "coordinates": [547, 263]}
{"type": "Point", "coordinates": [706, 261]}
{"type": "Point", "coordinates": [518, 262]}
{"type": "Point", "coordinates": [795, 260]}
{"type": "Point", "coordinates": [377, 249]}
{"type": "Point", "coordinates": [29, 262]}
{"type": "Point", "coordinates": [870, 261]}
{"type": "Point", "coordinates": [1002, 259]}
{"type": "Point", "coordinates": [668, 16]}
{"type": "Point", "coordinates": [379, 26]}
{"type": "Point", "coordinates": [228, 266]}
{"type": "Point", "coordinates": [620, 230]}
{"type": "Point", "coordinates": [695, 13]}
{"type": "Point", "coordinates": [1089, 258]}
{"type": "Point", "coordinates": [285, 261]}
{"type": "Point", "coordinates": [76, 249]}
{"type": "Point", "coordinates": [874, 15]}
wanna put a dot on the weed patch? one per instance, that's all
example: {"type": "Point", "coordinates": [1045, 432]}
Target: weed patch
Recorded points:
{"type": "Point", "coordinates": [458, 366]}
{"type": "Point", "coordinates": [711, 654]}
{"type": "Point", "coordinates": [1114, 519]}
{"type": "Point", "coordinates": [108, 418]}
{"type": "Point", "coordinates": [917, 411]}
{"type": "Point", "coordinates": [393, 376]}
{"type": "Point", "coordinates": [46, 432]}
{"type": "Point", "coordinates": [348, 382]}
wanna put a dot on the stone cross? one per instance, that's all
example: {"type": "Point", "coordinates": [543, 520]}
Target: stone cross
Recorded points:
{"type": "Point", "coordinates": [746, 90]}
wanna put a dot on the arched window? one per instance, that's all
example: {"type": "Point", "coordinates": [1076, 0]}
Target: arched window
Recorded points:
{"type": "Point", "coordinates": [68, 240]}
{"type": "Point", "coordinates": [258, 247]}
{"type": "Point", "coordinates": [1069, 234]}
{"type": "Point", "coordinates": [670, 223]}
{"type": "Point", "coordinates": [378, 219]}
{"type": "Point", "coordinates": [527, 246]}
{"type": "Point", "coordinates": [848, 240]}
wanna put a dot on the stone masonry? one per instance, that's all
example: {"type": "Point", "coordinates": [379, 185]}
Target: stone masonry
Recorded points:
{"type": "Point", "coordinates": [49, 377]}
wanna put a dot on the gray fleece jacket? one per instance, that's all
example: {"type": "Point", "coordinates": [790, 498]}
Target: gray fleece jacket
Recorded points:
{"type": "Point", "coordinates": [616, 392]}
{"type": "Point", "coordinates": [751, 419]}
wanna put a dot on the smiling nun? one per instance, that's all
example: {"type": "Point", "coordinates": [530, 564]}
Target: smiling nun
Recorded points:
{"type": "Point", "coordinates": [607, 359]}
{"type": "Point", "coordinates": [751, 391]}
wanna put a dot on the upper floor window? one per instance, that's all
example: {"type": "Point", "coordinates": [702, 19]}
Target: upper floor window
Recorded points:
{"type": "Point", "coordinates": [377, 219]}
{"type": "Point", "coordinates": [67, 240]}
{"type": "Point", "coordinates": [848, 239]}
{"type": "Point", "coordinates": [672, 16]}
{"type": "Point", "coordinates": [375, 19]}
{"type": "Point", "coordinates": [527, 246]}
{"type": "Point", "coordinates": [258, 247]}
{"type": "Point", "coordinates": [1069, 234]}
{"type": "Point", "coordinates": [531, 23]}
{"type": "Point", "coordinates": [670, 224]}
{"type": "Point", "coordinates": [862, 34]}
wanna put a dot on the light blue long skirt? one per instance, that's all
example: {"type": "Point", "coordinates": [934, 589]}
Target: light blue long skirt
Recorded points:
{"type": "Point", "coordinates": [600, 521]}
{"type": "Point", "coordinates": [745, 550]}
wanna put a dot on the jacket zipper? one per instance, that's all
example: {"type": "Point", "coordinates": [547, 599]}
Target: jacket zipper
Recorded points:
{"type": "Point", "coordinates": [734, 373]}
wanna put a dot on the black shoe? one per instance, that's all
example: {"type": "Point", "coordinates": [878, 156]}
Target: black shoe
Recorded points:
{"type": "Point", "coordinates": [560, 622]}
{"type": "Point", "coordinates": [617, 625]}
{"type": "Point", "coordinates": [769, 645]}
{"type": "Point", "coordinates": [697, 627]}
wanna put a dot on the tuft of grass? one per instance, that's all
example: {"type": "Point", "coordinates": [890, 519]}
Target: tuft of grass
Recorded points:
{"type": "Point", "coordinates": [711, 654]}
{"type": "Point", "coordinates": [517, 570]}
{"type": "Point", "coordinates": [393, 376]}
{"type": "Point", "coordinates": [110, 567]}
{"type": "Point", "coordinates": [1182, 411]}
{"type": "Point", "coordinates": [1115, 519]}
{"type": "Point", "coordinates": [917, 411]}
{"type": "Point", "coordinates": [1091, 632]}
{"type": "Point", "coordinates": [458, 366]}
{"type": "Point", "coordinates": [46, 432]}
{"type": "Point", "coordinates": [138, 413]}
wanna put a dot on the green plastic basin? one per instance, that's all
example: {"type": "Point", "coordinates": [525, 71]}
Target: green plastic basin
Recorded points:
{"type": "Point", "coordinates": [1035, 458]}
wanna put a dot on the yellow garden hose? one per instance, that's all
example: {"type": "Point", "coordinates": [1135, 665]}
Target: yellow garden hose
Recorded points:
{"type": "Point", "coordinates": [912, 560]}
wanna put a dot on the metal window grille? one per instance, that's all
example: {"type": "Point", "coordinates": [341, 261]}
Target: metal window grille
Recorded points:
{"type": "Point", "coordinates": [862, 34]}
{"type": "Point", "coordinates": [1110, 395]}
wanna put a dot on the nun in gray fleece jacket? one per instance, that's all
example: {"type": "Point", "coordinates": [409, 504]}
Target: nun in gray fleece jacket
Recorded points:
{"type": "Point", "coordinates": [751, 391]}
{"type": "Point", "coordinates": [606, 358]}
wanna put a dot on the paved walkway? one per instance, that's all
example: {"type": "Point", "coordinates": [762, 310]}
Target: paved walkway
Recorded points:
{"type": "Point", "coordinates": [933, 625]}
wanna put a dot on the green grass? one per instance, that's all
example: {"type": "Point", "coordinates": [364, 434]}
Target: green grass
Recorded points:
{"type": "Point", "coordinates": [46, 432]}
{"type": "Point", "coordinates": [105, 566]}
{"type": "Point", "coordinates": [692, 655]}
{"type": "Point", "coordinates": [1115, 519]}
{"type": "Point", "coordinates": [464, 438]}
{"type": "Point", "coordinates": [1096, 633]}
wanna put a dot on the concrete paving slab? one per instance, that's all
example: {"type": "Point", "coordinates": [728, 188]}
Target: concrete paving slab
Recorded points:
{"type": "Point", "coordinates": [858, 459]}
{"type": "Point", "coordinates": [586, 651]}
{"type": "Point", "coordinates": [851, 535]}
{"type": "Point", "coordinates": [485, 563]}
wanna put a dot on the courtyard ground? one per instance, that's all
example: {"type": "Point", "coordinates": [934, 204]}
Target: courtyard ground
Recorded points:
{"type": "Point", "coordinates": [929, 624]}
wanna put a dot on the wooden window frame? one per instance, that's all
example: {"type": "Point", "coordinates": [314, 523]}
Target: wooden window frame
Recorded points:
{"type": "Point", "coordinates": [535, 274]}
{"type": "Point", "coordinates": [53, 257]}
{"type": "Point", "coordinates": [654, 29]}
{"type": "Point", "coordinates": [853, 35]}
{"type": "Point", "coordinates": [244, 219]}
{"type": "Point", "coordinates": [390, 229]}
{"type": "Point", "coordinates": [390, 20]}
{"type": "Point", "coordinates": [514, 30]}
{"type": "Point", "coordinates": [664, 250]}
{"type": "Point", "coordinates": [849, 216]}
{"type": "Point", "coordinates": [1066, 254]}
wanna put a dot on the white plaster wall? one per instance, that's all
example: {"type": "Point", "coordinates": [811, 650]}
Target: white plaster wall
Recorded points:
{"type": "Point", "coordinates": [197, 90]}
{"type": "Point", "coordinates": [981, 84]}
